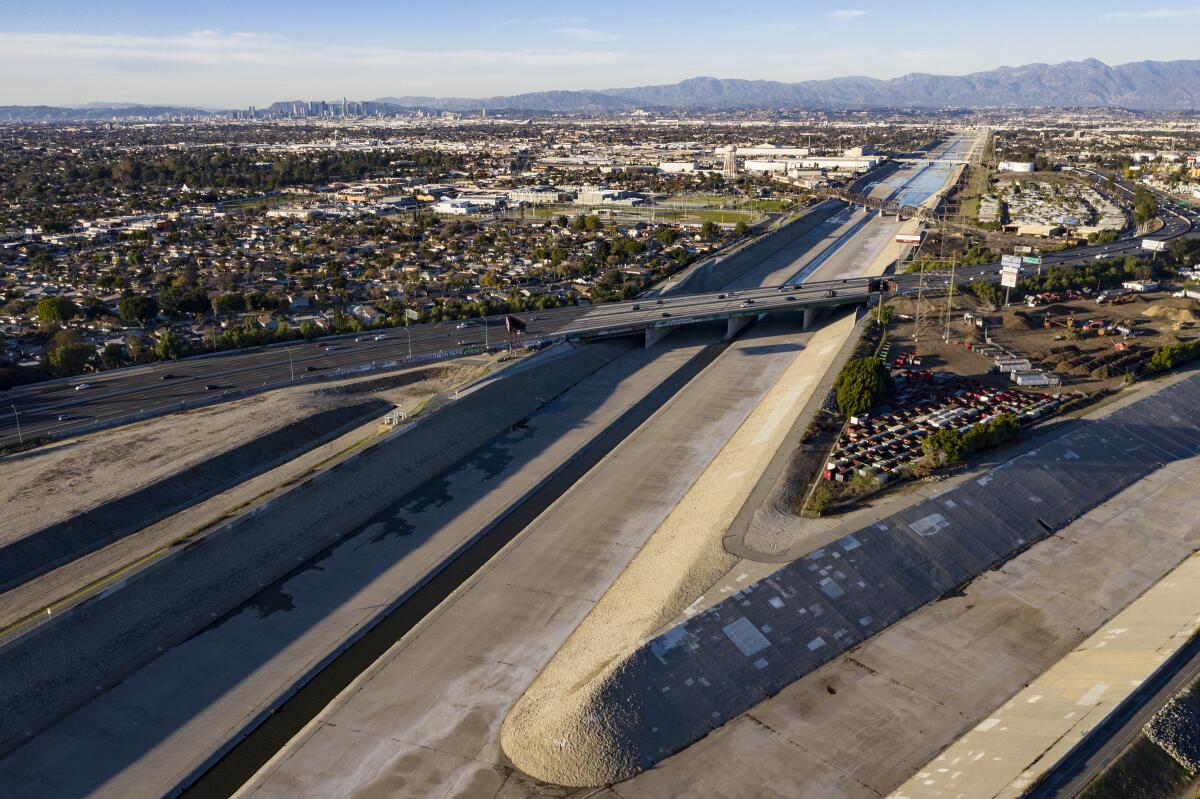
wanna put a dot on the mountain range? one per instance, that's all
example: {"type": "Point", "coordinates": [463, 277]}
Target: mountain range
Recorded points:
{"type": "Point", "coordinates": [1138, 86]}
{"type": "Point", "coordinates": [1142, 86]}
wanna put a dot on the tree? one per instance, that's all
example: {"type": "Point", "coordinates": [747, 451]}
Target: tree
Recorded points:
{"type": "Point", "coordinates": [133, 345]}
{"type": "Point", "coordinates": [137, 308]}
{"type": "Point", "coordinates": [985, 291]}
{"type": "Point", "coordinates": [67, 353]}
{"type": "Point", "coordinates": [169, 347]}
{"type": "Point", "coordinates": [93, 308]}
{"type": "Point", "coordinates": [1145, 207]}
{"type": "Point", "coordinates": [54, 309]}
{"type": "Point", "coordinates": [112, 355]}
{"type": "Point", "coordinates": [862, 383]}
{"type": "Point", "coordinates": [946, 445]}
{"type": "Point", "coordinates": [741, 229]}
{"type": "Point", "coordinates": [709, 231]}
{"type": "Point", "coordinates": [229, 302]}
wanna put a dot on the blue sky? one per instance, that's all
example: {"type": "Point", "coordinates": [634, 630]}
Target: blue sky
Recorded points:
{"type": "Point", "coordinates": [232, 54]}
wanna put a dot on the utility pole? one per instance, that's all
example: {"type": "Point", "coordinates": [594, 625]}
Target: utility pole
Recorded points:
{"type": "Point", "coordinates": [485, 333]}
{"type": "Point", "coordinates": [291, 364]}
{"type": "Point", "coordinates": [17, 417]}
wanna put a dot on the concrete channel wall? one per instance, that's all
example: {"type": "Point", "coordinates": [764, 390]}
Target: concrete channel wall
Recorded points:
{"type": "Point", "coordinates": [59, 543]}
{"type": "Point", "coordinates": [723, 270]}
{"type": "Point", "coordinates": [47, 673]}
{"type": "Point", "coordinates": [695, 676]}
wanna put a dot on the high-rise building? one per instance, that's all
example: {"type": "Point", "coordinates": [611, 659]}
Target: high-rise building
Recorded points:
{"type": "Point", "coordinates": [344, 107]}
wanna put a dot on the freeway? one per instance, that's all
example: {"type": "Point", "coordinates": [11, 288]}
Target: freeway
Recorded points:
{"type": "Point", "coordinates": [59, 407]}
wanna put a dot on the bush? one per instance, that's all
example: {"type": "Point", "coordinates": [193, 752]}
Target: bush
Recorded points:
{"type": "Point", "coordinates": [863, 383]}
{"type": "Point", "coordinates": [949, 446]}
{"type": "Point", "coordinates": [1168, 357]}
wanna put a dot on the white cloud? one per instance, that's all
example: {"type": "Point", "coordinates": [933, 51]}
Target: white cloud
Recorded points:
{"type": "Point", "coordinates": [228, 70]}
{"type": "Point", "coordinates": [1155, 13]}
{"type": "Point", "coordinates": [847, 13]}
{"type": "Point", "coordinates": [588, 35]}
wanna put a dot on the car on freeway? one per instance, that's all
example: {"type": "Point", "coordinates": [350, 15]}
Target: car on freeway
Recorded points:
{"type": "Point", "coordinates": [381, 337]}
{"type": "Point", "coordinates": [359, 339]}
{"type": "Point", "coordinates": [331, 347]}
{"type": "Point", "coordinates": [167, 376]}
{"type": "Point", "coordinates": [637, 306]}
{"type": "Point", "coordinates": [791, 299]}
{"type": "Point", "coordinates": [747, 303]}
{"type": "Point", "coordinates": [462, 325]}
{"type": "Point", "coordinates": [83, 386]}
{"type": "Point", "coordinates": [211, 387]}
{"type": "Point", "coordinates": [831, 293]}
{"type": "Point", "coordinates": [721, 296]}
{"type": "Point", "coordinates": [462, 342]}
{"type": "Point", "coordinates": [62, 417]}
{"type": "Point", "coordinates": [658, 302]}
{"type": "Point", "coordinates": [666, 313]}
{"type": "Point", "coordinates": [311, 368]}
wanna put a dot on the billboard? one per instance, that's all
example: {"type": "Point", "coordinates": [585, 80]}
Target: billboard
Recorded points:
{"type": "Point", "coordinates": [514, 324]}
{"type": "Point", "coordinates": [908, 238]}
{"type": "Point", "coordinates": [1008, 278]}
{"type": "Point", "coordinates": [1010, 260]}
{"type": "Point", "coordinates": [1154, 245]}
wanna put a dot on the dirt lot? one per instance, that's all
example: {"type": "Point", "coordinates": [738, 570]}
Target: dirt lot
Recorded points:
{"type": "Point", "coordinates": [1088, 362]}
{"type": "Point", "coordinates": [67, 477]}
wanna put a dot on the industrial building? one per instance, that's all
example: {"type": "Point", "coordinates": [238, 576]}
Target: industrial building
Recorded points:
{"type": "Point", "coordinates": [535, 195]}
{"type": "Point", "coordinates": [678, 166]}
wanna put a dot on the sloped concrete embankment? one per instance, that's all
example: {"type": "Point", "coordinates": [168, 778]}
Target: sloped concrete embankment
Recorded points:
{"type": "Point", "coordinates": [723, 270]}
{"type": "Point", "coordinates": [573, 725]}
{"type": "Point", "coordinates": [610, 710]}
{"type": "Point", "coordinates": [58, 543]}
{"type": "Point", "coordinates": [61, 665]}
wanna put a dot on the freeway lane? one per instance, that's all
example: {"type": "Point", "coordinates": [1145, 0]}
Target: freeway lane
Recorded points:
{"type": "Point", "coordinates": [125, 392]}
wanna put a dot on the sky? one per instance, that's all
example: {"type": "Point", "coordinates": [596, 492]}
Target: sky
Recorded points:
{"type": "Point", "coordinates": [225, 54]}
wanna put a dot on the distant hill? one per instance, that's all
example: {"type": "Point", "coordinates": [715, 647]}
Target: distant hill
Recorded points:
{"type": "Point", "coordinates": [1138, 86]}
{"type": "Point", "coordinates": [1142, 85]}
{"type": "Point", "coordinates": [93, 112]}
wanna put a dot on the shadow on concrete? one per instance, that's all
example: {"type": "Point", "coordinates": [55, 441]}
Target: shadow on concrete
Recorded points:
{"type": "Point", "coordinates": [42, 550]}
{"type": "Point", "coordinates": [717, 665]}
